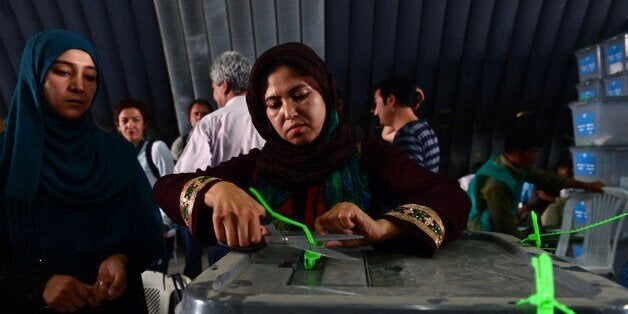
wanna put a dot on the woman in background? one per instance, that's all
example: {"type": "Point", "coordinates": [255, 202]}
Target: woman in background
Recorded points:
{"type": "Point", "coordinates": [77, 221]}
{"type": "Point", "coordinates": [153, 155]}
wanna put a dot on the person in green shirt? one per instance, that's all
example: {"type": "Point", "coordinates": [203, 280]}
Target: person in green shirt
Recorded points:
{"type": "Point", "coordinates": [496, 188]}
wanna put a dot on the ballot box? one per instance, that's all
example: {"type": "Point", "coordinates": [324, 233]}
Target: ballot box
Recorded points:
{"type": "Point", "coordinates": [600, 121]}
{"type": "Point", "coordinates": [608, 164]}
{"type": "Point", "coordinates": [479, 273]}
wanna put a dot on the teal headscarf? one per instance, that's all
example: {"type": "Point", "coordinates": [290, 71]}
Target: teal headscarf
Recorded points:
{"type": "Point", "coordinates": [68, 160]}
{"type": "Point", "coordinates": [70, 193]}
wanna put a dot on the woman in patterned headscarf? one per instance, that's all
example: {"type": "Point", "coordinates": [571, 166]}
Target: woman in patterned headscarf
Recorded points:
{"type": "Point", "coordinates": [77, 221]}
{"type": "Point", "coordinates": [314, 169]}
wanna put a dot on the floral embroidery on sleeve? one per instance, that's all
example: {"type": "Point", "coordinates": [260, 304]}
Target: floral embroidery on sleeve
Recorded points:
{"type": "Point", "coordinates": [188, 197]}
{"type": "Point", "coordinates": [424, 218]}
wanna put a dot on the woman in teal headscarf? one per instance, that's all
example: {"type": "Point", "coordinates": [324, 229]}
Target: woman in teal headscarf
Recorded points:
{"type": "Point", "coordinates": [77, 221]}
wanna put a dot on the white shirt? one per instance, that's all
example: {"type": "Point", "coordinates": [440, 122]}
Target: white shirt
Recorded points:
{"type": "Point", "coordinates": [162, 157]}
{"type": "Point", "coordinates": [220, 136]}
{"type": "Point", "coordinates": [465, 181]}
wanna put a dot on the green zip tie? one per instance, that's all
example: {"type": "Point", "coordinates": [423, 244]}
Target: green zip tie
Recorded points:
{"type": "Point", "coordinates": [543, 273]}
{"type": "Point", "coordinates": [605, 221]}
{"type": "Point", "coordinates": [309, 258]}
{"type": "Point", "coordinates": [535, 227]}
{"type": "Point", "coordinates": [544, 282]}
{"type": "Point", "coordinates": [536, 236]}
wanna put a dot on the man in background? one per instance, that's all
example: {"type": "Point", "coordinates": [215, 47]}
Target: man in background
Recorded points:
{"type": "Point", "coordinates": [228, 131]}
{"type": "Point", "coordinates": [495, 190]}
{"type": "Point", "coordinates": [219, 136]}
{"type": "Point", "coordinates": [197, 109]}
{"type": "Point", "coordinates": [396, 99]}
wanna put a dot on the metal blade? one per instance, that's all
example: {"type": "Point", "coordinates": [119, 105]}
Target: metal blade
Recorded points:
{"type": "Point", "coordinates": [336, 237]}
{"type": "Point", "coordinates": [321, 250]}
{"type": "Point", "coordinates": [272, 229]}
{"type": "Point", "coordinates": [288, 239]}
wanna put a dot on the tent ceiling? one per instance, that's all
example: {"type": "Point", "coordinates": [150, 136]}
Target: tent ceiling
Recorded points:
{"type": "Point", "coordinates": [480, 62]}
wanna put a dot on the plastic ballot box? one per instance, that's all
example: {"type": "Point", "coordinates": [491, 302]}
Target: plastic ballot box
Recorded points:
{"type": "Point", "coordinates": [479, 273]}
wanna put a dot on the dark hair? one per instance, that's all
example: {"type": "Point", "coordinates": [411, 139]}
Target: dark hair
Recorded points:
{"type": "Point", "coordinates": [200, 102]}
{"type": "Point", "coordinates": [522, 138]}
{"type": "Point", "coordinates": [130, 102]}
{"type": "Point", "coordinates": [296, 68]}
{"type": "Point", "coordinates": [403, 88]}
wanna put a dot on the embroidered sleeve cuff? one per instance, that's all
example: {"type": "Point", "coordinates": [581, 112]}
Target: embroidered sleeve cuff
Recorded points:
{"type": "Point", "coordinates": [426, 219]}
{"type": "Point", "coordinates": [189, 195]}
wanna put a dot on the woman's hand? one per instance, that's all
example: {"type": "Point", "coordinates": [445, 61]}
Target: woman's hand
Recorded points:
{"type": "Point", "coordinates": [111, 280]}
{"type": "Point", "coordinates": [348, 218]}
{"type": "Point", "coordinates": [64, 293]}
{"type": "Point", "coordinates": [236, 215]}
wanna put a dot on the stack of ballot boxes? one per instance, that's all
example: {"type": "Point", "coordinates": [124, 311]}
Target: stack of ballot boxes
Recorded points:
{"type": "Point", "coordinates": [600, 116]}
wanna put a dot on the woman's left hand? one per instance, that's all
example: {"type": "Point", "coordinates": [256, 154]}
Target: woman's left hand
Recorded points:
{"type": "Point", "coordinates": [111, 280]}
{"type": "Point", "coordinates": [350, 219]}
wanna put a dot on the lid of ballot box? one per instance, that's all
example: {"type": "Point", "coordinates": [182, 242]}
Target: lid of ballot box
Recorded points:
{"type": "Point", "coordinates": [481, 272]}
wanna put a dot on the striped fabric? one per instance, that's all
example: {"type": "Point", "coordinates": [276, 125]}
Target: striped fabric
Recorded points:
{"type": "Point", "coordinates": [418, 139]}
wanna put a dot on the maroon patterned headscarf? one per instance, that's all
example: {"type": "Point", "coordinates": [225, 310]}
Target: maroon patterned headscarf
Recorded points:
{"type": "Point", "coordinates": [281, 161]}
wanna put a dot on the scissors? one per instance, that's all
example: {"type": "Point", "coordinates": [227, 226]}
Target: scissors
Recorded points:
{"type": "Point", "coordinates": [298, 241]}
{"type": "Point", "coordinates": [307, 242]}
{"type": "Point", "coordinates": [301, 241]}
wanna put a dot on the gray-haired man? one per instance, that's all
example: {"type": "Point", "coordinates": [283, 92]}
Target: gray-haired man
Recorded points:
{"type": "Point", "coordinates": [228, 131]}
{"type": "Point", "coordinates": [219, 136]}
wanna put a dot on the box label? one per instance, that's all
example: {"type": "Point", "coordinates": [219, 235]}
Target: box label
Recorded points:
{"type": "Point", "coordinates": [585, 123]}
{"type": "Point", "coordinates": [585, 164]}
{"type": "Point", "coordinates": [580, 212]}
{"type": "Point", "coordinates": [614, 88]}
{"type": "Point", "coordinates": [615, 57]}
{"type": "Point", "coordinates": [615, 53]}
{"type": "Point", "coordinates": [587, 65]}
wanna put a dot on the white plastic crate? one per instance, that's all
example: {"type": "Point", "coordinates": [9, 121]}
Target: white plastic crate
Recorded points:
{"type": "Point", "coordinates": [616, 85]}
{"type": "Point", "coordinates": [608, 164]}
{"type": "Point", "coordinates": [602, 121]}
{"type": "Point", "coordinates": [615, 52]}
{"type": "Point", "coordinates": [590, 90]}
{"type": "Point", "coordinates": [589, 63]}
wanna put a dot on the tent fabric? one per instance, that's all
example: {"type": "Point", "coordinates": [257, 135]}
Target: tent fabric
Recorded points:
{"type": "Point", "coordinates": [481, 63]}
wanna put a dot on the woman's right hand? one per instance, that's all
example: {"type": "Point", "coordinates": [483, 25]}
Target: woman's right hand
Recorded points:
{"type": "Point", "coordinates": [64, 293]}
{"type": "Point", "coordinates": [236, 215]}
